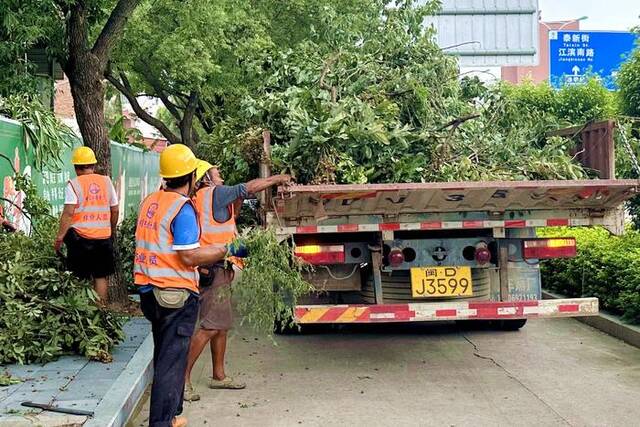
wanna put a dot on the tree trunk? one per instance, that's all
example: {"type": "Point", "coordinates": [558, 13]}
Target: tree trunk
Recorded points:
{"type": "Point", "coordinates": [87, 90]}
{"type": "Point", "coordinates": [85, 67]}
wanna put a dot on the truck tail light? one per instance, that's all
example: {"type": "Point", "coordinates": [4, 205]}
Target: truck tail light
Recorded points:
{"type": "Point", "coordinates": [482, 254]}
{"type": "Point", "coordinates": [321, 254]}
{"type": "Point", "coordinates": [564, 247]}
{"type": "Point", "coordinates": [396, 257]}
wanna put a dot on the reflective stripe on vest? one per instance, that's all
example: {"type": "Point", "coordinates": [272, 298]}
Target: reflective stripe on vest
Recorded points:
{"type": "Point", "coordinates": [214, 233]}
{"type": "Point", "coordinates": [92, 217]}
{"type": "Point", "coordinates": [155, 262]}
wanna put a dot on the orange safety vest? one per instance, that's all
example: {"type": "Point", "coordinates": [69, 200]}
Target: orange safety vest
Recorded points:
{"type": "Point", "coordinates": [155, 262]}
{"type": "Point", "coordinates": [214, 233]}
{"type": "Point", "coordinates": [92, 217]}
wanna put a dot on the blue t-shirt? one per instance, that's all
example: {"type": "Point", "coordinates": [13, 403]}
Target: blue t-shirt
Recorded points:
{"type": "Point", "coordinates": [225, 195]}
{"type": "Point", "coordinates": [186, 234]}
{"type": "Point", "coordinates": [185, 229]}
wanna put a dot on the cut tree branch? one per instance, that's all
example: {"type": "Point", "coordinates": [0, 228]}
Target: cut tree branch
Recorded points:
{"type": "Point", "coordinates": [125, 88]}
{"type": "Point", "coordinates": [113, 28]}
{"type": "Point", "coordinates": [325, 70]}
{"type": "Point", "coordinates": [460, 120]}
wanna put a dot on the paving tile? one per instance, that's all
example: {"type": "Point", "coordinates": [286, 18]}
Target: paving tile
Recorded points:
{"type": "Point", "coordinates": [15, 401]}
{"type": "Point", "coordinates": [65, 363]}
{"type": "Point", "coordinates": [21, 371]}
{"type": "Point", "coordinates": [123, 354]}
{"type": "Point", "coordinates": [85, 390]}
{"type": "Point", "coordinates": [101, 371]}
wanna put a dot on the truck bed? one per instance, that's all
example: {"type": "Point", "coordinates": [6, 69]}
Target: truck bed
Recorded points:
{"type": "Point", "coordinates": [450, 205]}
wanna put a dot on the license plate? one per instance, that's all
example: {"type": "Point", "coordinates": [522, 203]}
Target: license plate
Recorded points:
{"type": "Point", "coordinates": [441, 282]}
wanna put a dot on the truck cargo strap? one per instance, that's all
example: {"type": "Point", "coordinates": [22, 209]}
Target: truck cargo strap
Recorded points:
{"type": "Point", "coordinates": [449, 310]}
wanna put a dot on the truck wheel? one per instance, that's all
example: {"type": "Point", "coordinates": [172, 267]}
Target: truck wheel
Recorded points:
{"type": "Point", "coordinates": [510, 325]}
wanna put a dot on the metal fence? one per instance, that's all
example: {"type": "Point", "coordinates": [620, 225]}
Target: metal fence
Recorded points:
{"type": "Point", "coordinates": [134, 174]}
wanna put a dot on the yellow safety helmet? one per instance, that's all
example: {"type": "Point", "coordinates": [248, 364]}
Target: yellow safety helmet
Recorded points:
{"type": "Point", "coordinates": [177, 160]}
{"type": "Point", "coordinates": [83, 156]}
{"type": "Point", "coordinates": [203, 167]}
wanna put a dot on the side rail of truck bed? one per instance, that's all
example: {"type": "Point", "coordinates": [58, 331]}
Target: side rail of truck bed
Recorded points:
{"type": "Point", "coordinates": [394, 207]}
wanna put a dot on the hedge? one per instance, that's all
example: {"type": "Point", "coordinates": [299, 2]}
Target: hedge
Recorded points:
{"type": "Point", "coordinates": [606, 267]}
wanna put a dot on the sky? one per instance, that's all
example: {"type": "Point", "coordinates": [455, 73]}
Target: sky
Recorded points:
{"type": "Point", "coordinates": [616, 15]}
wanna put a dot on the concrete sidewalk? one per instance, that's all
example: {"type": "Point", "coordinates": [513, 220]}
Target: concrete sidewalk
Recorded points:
{"type": "Point", "coordinates": [72, 382]}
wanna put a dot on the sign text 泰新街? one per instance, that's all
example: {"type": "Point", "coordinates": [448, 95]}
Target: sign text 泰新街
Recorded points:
{"type": "Point", "coordinates": [575, 56]}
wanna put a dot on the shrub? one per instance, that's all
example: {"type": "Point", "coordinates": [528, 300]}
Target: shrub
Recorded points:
{"type": "Point", "coordinates": [607, 267]}
{"type": "Point", "coordinates": [629, 83]}
{"type": "Point", "coordinates": [46, 311]}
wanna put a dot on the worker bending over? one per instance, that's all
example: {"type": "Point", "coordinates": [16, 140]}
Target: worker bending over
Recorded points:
{"type": "Point", "coordinates": [88, 222]}
{"type": "Point", "coordinates": [217, 206]}
{"type": "Point", "coordinates": [167, 253]}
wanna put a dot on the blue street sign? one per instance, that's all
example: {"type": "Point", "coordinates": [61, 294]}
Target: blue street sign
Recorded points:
{"type": "Point", "coordinates": [574, 56]}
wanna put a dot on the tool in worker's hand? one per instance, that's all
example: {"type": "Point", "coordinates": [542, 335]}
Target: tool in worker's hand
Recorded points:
{"type": "Point", "coordinates": [52, 408]}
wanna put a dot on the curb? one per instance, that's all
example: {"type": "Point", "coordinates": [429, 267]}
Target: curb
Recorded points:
{"type": "Point", "coordinates": [607, 323]}
{"type": "Point", "coordinates": [120, 401]}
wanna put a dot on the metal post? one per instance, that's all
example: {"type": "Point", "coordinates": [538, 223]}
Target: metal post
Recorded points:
{"type": "Point", "coordinates": [264, 171]}
{"type": "Point", "coordinates": [376, 264]}
{"type": "Point", "coordinates": [503, 260]}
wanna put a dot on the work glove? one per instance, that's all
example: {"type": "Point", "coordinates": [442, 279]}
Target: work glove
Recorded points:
{"type": "Point", "coordinates": [237, 249]}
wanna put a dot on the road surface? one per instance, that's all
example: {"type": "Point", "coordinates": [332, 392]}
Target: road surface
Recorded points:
{"type": "Point", "coordinates": [555, 372]}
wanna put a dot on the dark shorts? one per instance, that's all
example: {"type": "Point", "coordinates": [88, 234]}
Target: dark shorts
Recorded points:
{"type": "Point", "coordinates": [89, 259]}
{"type": "Point", "coordinates": [215, 302]}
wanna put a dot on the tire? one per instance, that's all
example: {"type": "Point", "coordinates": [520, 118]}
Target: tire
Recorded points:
{"type": "Point", "coordinates": [510, 325]}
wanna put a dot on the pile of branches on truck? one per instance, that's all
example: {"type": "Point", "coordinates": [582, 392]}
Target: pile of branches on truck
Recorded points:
{"type": "Point", "coordinates": [394, 107]}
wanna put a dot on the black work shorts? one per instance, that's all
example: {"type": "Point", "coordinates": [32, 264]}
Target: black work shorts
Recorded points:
{"type": "Point", "coordinates": [88, 258]}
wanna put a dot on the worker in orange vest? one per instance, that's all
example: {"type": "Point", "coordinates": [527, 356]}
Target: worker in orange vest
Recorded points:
{"type": "Point", "coordinates": [168, 249]}
{"type": "Point", "coordinates": [217, 206]}
{"type": "Point", "coordinates": [88, 222]}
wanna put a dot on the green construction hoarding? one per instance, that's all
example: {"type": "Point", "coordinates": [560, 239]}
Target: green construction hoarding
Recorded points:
{"type": "Point", "coordinates": [134, 174]}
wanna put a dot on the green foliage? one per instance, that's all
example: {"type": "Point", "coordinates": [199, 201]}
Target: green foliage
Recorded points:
{"type": "Point", "coordinates": [24, 25]}
{"type": "Point", "coordinates": [607, 267]}
{"type": "Point", "coordinates": [391, 108]}
{"type": "Point", "coordinates": [6, 380]}
{"type": "Point", "coordinates": [271, 282]}
{"type": "Point", "coordinates": [587, 102]}
{"type": "Point", "coordinates": [126, 242]}
{"type": "Point", "coordinates": [629, 83]}
{"type": "Point", "coordinates": [46, 311]}
{"type": "Point", "coordinates": [119, 133]}
{"type": "Point", "coordinates": [571, 105]}
{"type": "Point", "coordinates": [44, 131]}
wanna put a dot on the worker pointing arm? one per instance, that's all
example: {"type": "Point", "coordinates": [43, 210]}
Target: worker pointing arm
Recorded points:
{"type": "Point", "coordinates": [217, 206]}
{"type": "Point", "coordinates": [168, 249]}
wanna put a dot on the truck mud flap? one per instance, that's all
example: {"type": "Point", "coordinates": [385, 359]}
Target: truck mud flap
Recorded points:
{"type": "Point", "coordinates": [442, 311]}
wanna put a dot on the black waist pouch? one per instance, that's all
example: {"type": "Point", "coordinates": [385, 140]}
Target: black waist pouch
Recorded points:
{"type": "Point", "coordinates": [207, 274]}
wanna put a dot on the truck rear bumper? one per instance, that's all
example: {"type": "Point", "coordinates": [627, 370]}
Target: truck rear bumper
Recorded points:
{"type": "Point", "coordinates": [440, 311]}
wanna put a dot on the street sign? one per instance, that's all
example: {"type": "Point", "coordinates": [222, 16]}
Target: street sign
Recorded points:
{"type": "Point", "coordinates": [574, 56]}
